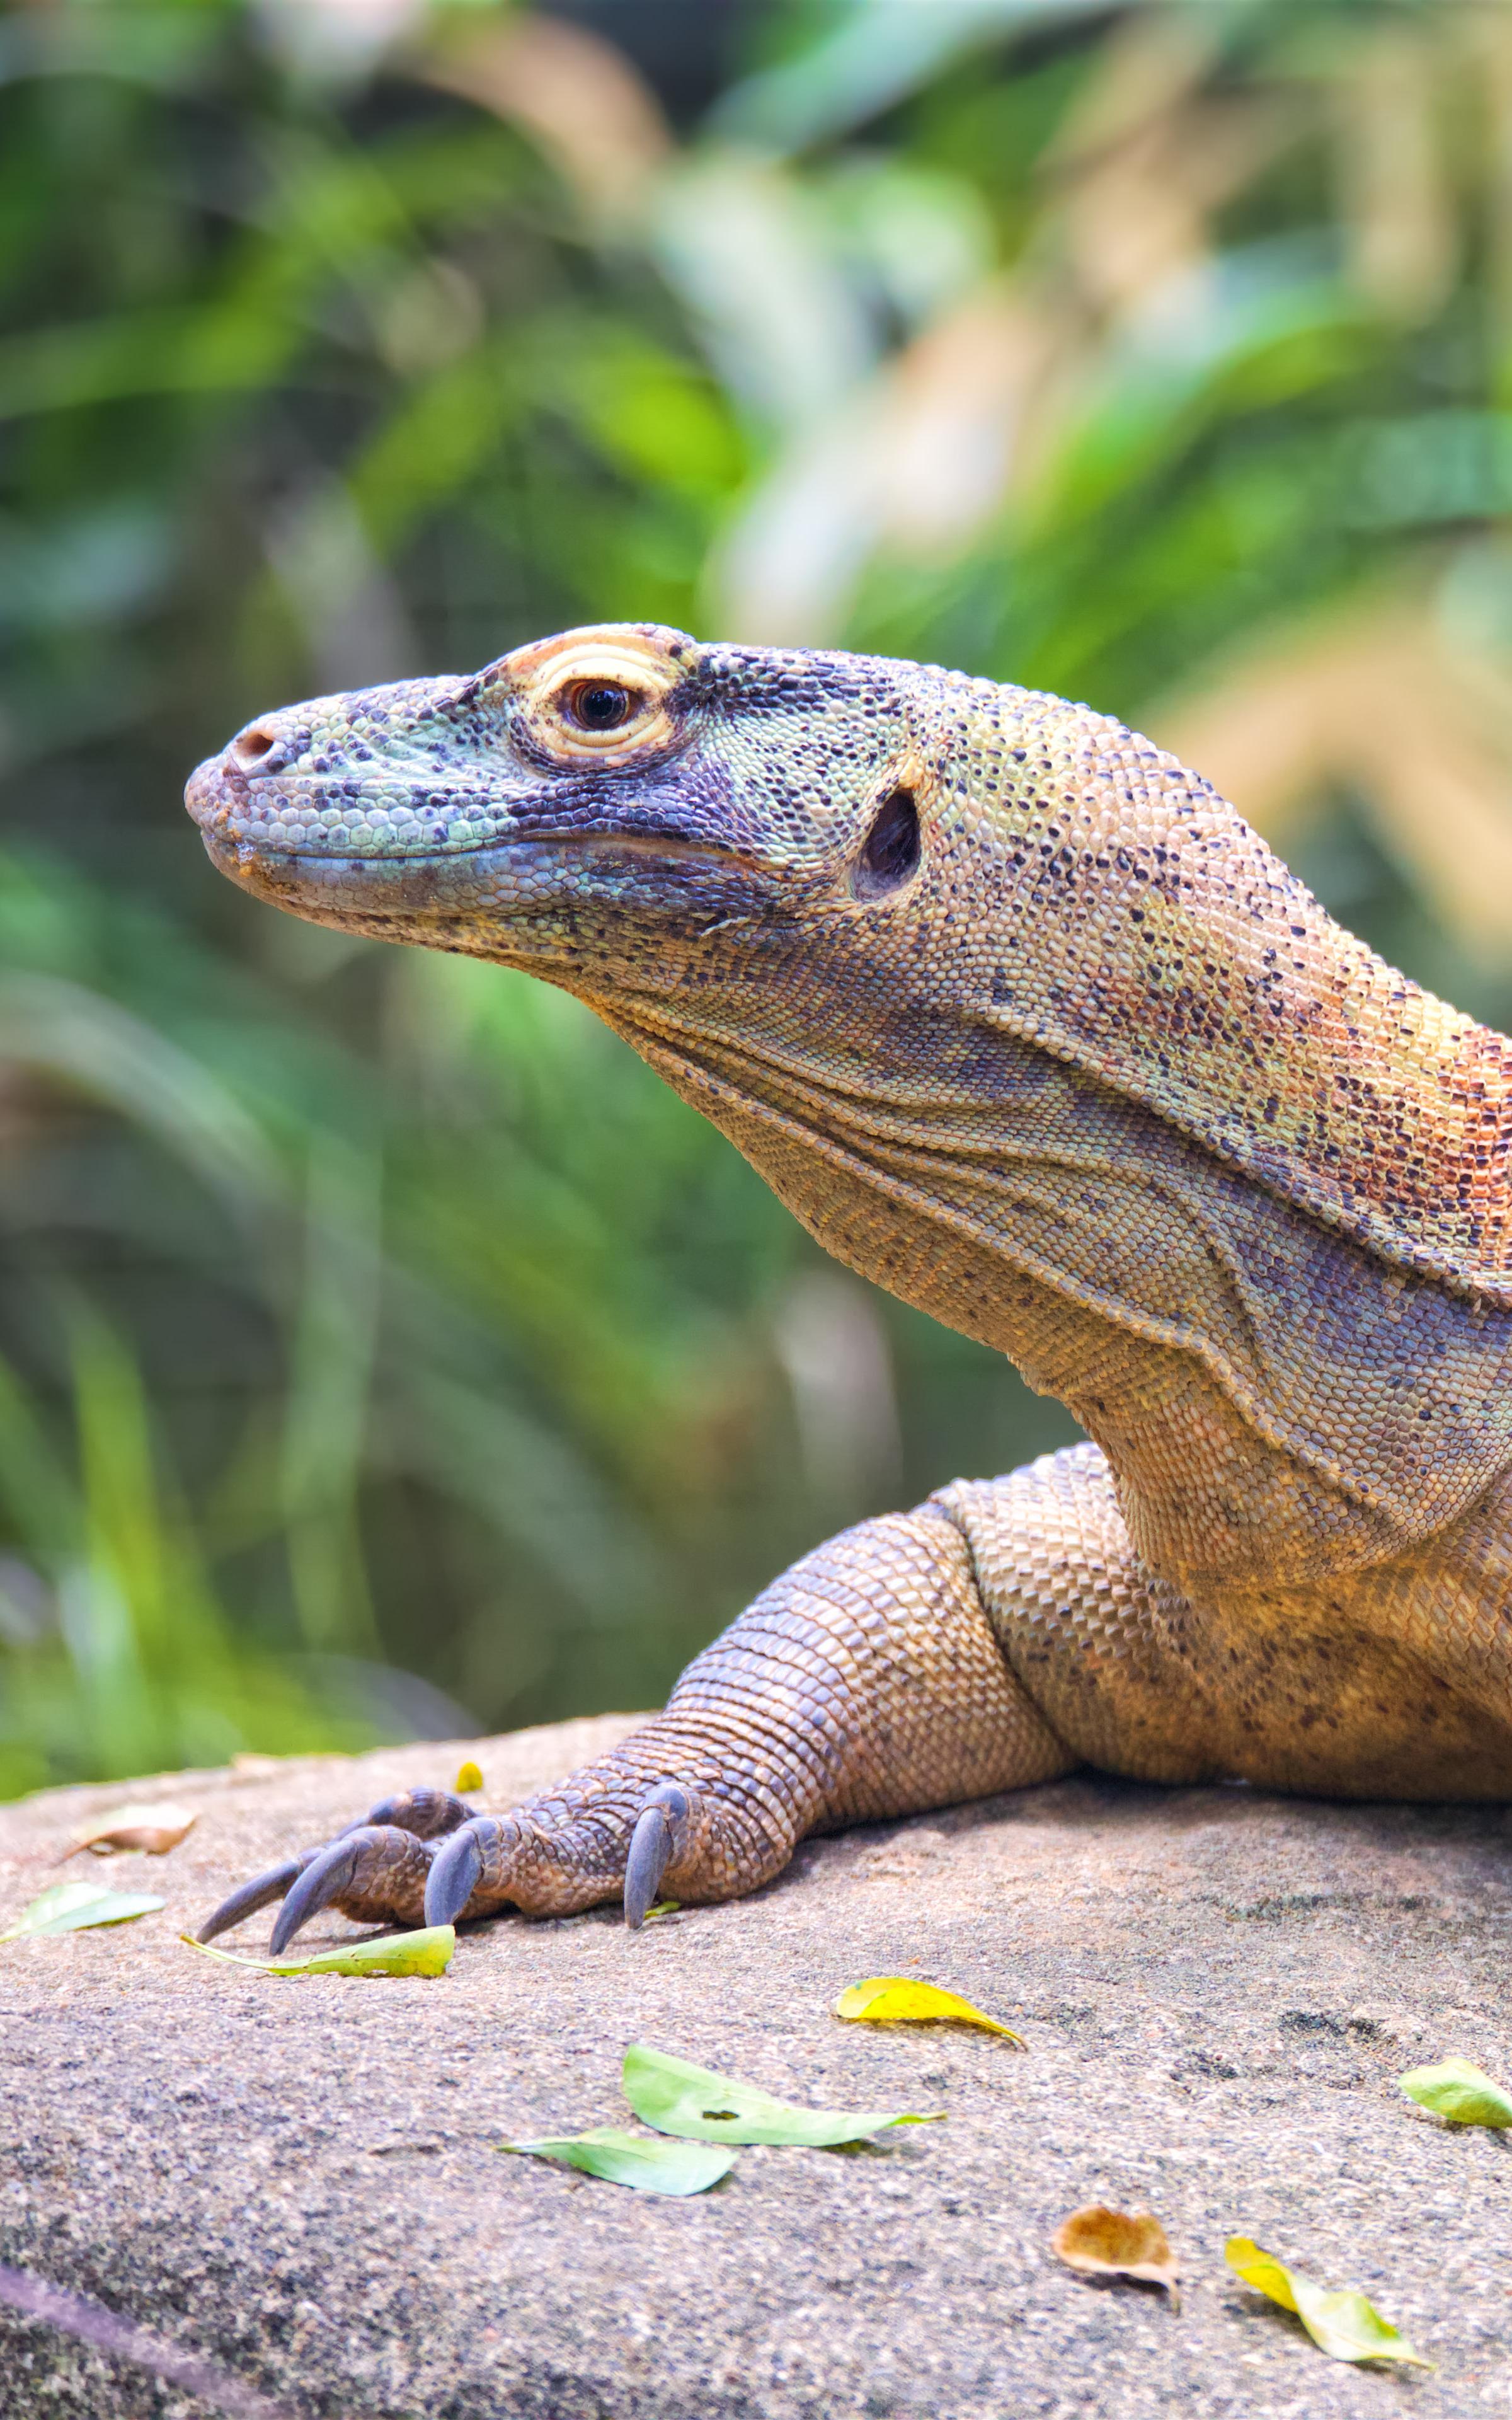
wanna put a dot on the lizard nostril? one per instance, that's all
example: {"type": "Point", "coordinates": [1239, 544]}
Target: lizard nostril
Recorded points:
{"type": "Point", "coordinates": [251, 746]}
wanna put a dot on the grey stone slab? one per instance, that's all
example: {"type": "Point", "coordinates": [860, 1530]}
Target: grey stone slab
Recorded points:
{"type": "Point", "coordinates": [297, 2179]}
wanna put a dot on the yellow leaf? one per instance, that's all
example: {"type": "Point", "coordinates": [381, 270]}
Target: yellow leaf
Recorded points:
{"type": "Point", "coordinates": [1343, 2324]}
{"type": "Point", "coordinates": [897, 2000]}
{"type": "Point", "coordinates": [1102, 2242]}
{"type": "Point", "coordinates": [427, 1952]}
{"type": "Point", "coordinates": [155, 1829]}
{"type": "Point", "coordinates": [1458, 2091]}
{"type": "Point", "coordinates": [467, 1776]}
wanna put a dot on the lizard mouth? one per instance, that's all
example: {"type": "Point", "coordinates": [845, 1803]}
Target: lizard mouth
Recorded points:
{"type": "Point", "coordinates": [237, 854]}
{"type": "Point", "coordinates": [239, 835]}
{"type": "Point", "coordinates": [510, 881]}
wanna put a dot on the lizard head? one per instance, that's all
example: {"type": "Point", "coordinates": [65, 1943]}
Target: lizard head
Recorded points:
{"type": "Point", "coordinates": [618, 808]}
{"type": "Point", "coordinates": [879, 915]}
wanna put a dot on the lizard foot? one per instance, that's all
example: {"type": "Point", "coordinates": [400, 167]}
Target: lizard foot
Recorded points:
{"type": "Point", "coordinates": [620, 1828]}
{"type": "Point", "coordinates": [493, 1862]}
{"type": "Point", "coordinates": [374, 1870]}
{"type": "Point", "coordinates": [866, 1681]}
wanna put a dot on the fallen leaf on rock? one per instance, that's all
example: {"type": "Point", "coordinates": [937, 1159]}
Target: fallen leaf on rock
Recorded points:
{"type": "Point", "coordinates": [1456, 2091]}
{"type": "Point", "coordinates": [1102, 2242]}
{"type": "Point", "coordinates": [631, 2160]}
{"type": "Point", "coordinates": [897, 2000]}
{"type": "Point", "coordinates": [154, 1829]}
{"type": "Point", "coordinates": [467, 1776]}
{"type": "Point", "coordinates": [429, 1952]}
{"type": "Point", "coordinates": [1344, 2324]}
{"type": "Point", "coordinates": [677, 2097]}
{"type": "Point", "coordinates": [663, 1907]}
{"type": "Point", "coordinates": [72, 1907]}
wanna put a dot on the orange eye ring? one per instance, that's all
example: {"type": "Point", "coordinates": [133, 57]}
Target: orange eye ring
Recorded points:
{"type": "Point", "coordinates": [594, 696]}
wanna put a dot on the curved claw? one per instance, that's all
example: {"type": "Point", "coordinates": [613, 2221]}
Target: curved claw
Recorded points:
{"type": "Point", "coordinates": [660, 1832]}
{"type": "Point", "coordinates": [329, 1875]}
{"type": "Point", "coordinates": [249, 1897]}
{"type": "Point", "coordinates": [454, 1874]}
{"type": "Point", "coordinates": [651, 1847]}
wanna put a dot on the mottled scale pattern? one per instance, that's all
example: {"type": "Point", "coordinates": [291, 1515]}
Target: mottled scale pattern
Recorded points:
{"type": "Point", "coordinates": [1026, 1023]}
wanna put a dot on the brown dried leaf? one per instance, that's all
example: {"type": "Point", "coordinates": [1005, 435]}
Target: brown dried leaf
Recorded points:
{"type": "Point", "coordinates": [1148, 153]}
{"type": "Point", "coordinates": [155, 1829]}
{"type": "Point", "coordinates": [575, 93]}
{"type": "Point", "coordinates": [1377, 699]}
{"type": "Point", "coordinates": [1397, 207]}
{"type": "Point", "coordinates": [1102, 2243]}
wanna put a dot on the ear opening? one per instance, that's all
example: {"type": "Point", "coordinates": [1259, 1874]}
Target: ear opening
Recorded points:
{"type": "Point", "coordinates": [892, 850]}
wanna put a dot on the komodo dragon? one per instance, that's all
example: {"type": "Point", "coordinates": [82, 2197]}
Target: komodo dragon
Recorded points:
{"type": "Point", "coordinates": [1025, 1023]}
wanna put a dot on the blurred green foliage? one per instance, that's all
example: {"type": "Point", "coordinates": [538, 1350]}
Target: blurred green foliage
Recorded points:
{"type": "Point", "coordinates": [384, 1351]}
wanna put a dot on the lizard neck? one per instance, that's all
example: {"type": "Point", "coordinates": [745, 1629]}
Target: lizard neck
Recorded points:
{"type": "Point", "coordinates": [1224, 1348]}
{"type": "Point", "coordinates": [1138, 929]}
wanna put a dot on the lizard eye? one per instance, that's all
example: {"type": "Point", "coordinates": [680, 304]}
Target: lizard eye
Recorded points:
{"type": "Point", "coordinates": [599, 705]}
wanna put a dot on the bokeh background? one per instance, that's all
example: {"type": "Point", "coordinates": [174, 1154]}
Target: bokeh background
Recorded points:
{"type": "Point", "coordinates": [383, 1352]}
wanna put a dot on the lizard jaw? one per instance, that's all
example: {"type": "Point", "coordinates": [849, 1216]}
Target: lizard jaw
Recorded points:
{"type": "Point", "coordinates": [490, 896]}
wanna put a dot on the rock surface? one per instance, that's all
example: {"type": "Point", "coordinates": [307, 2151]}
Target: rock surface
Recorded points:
{"type": "Point", "coordinates": [299, 2178]}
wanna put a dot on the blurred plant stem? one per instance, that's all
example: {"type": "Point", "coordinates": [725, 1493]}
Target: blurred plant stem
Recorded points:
{"type": "Point", "coordinates": [331, 1374]}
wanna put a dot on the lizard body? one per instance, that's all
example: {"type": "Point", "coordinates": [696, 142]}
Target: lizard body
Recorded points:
{"type": "Point", "coordinates": [1023, 1022]}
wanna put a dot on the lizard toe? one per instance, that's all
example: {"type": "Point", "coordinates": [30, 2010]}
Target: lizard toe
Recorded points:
{"type": "Point", "coordinates": [663, 1830]}
{"type": "Point", "coordinates": [376, 1874]}
{"type": "Point", "coordinates": [562, 1853]}
{"type": "Point", "coordinates": [494, 1862]}
{"type": "Point", "coordinates": [529, 1862]}
{"type": "Point", "coordinates": [372, 1887]}
{"type": "Point", "coordinates": [456, 1872]}
{"type": "Point", "coordinates": [429, 1814]}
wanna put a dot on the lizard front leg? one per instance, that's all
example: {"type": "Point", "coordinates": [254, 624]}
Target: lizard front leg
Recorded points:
{"type": "Point", "coordinates": [1116, 1659]}
{"type": "Point", "coordinates": [866, 1681]}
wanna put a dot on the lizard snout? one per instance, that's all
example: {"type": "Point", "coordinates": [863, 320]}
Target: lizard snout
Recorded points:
{"type": "Point", "coordinates": [206, 791]}
{"type": "Point", "coordinates": [261, 748]}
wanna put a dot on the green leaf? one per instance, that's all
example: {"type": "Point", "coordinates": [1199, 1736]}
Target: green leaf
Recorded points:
{"type": "Point", "coordinates": [1343, 2324]}
{"type": "Point", "coordinates": [71, 1907]}
{"type": "Point", "coordinates": [631, 2160]}
{"type": "Point", "coordinates": [901, 2000]}
{"type": "Point", "coordinates": [429, 1952]}
{"type": "Point", "coordinates": [677, 2097]}
{"type": "Point", "coordinates": [1456, 2091]}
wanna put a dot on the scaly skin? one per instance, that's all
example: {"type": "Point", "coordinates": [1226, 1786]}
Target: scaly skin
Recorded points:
{"type": "Point", "coordinates": [1025, 1023]}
